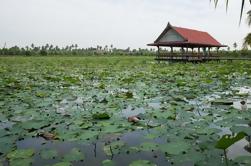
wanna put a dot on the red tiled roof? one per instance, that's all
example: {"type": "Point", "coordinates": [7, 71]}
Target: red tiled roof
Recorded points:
{"type": "Point", "coordinates": [194, 36]}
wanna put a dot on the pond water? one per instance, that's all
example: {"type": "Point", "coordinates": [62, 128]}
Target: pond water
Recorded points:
{"type": "Point", "coordinates": [94, 153]}
{"type": "Point", "coordinates": [238, 149]}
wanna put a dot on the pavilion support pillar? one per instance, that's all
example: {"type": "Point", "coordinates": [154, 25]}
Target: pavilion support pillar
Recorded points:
{"type": "Point", "coordinates": [217, 50]}
{"type": "Point", "coordinates": [172, 52]}
{"type": "Point", "coordinates": [158, 52]}
{"type": "Point", "coordinates": [199, 52]}
{"type": "Point", "coordinates": [204, 51]}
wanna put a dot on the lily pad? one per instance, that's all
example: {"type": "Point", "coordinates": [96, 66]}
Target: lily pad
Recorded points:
{"type": "Point", "coordinates": [21, 162]}
{"type": "Point", "coordinates": [101, 115]}
{"type": "Point", "coordinates": [74, 155]}
{"type": "Point", "coordinates": [142, 163]}
{"type": "Point", "coordinates": [227, 140]}
{"type": "Point", "coordinates": [34, 124]}
{"type": "Point", "coordinates": [175, 148]}
{"type": "Point", "coordinates": [108, 163]}
{"type": "Point", "coordinates": [48, 154]}
{"type": "Point", "coordinates": [113, 148]}
{"type": "Point", "coordinates": [62, 164]}
{"type": "Point", "coordinates": [148, 146]}
{"type": "Point", "coordinates": [20, 154]}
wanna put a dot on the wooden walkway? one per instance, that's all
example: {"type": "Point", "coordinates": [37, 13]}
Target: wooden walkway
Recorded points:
{"type": "Point", "coordinates": [200, 58]}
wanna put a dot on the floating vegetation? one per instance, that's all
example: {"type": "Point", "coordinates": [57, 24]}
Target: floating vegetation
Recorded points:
{"type": "Point", "coordinates": [64, 111]}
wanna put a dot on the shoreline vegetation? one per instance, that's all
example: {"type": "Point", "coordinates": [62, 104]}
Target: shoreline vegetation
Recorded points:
{"type": "Point", "coordinates": [73, 50]}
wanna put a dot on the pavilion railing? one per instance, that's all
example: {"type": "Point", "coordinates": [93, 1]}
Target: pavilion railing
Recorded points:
{"type": "Point", "coordinates": [186, 56]}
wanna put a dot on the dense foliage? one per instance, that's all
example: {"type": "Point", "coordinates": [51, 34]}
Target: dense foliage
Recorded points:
{"type": "Point", "coordinates": [74, 110]}
{"type": "Point", "coordinates": [71, 50]}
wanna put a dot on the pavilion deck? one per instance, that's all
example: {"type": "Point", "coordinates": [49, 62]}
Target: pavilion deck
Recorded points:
{"type": "Point", "coordinates": [178, 57]}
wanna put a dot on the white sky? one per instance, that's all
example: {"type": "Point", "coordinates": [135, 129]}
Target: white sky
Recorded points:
{"type": "Point", "coordinates": [123, 23]}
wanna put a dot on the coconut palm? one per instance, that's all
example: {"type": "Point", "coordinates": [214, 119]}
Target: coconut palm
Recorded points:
{"type": "Point", "coordinates": [227, 1]}
{"type": "Point", "coordinates": [247, 41]}
{"type": "Point", "coordinates": [249, 18]}
{"type": "Point", "coordinates": [235, 45]}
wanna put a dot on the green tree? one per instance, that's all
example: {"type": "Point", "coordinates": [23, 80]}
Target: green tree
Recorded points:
{"type": "Point", "coordinates": [249, 18]}
{"type": "Point", "coordinates": [247, 41]}
{"type": "Point", "coordinates": [76, 46]}
{"type": "Point", "coordinates": [32, 46]}
{"type": "Point", "coordinates": [235, 45]}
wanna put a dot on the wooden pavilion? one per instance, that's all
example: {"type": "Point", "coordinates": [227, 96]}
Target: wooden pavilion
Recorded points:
{"type": "Point", "coordinates": [193, 45]}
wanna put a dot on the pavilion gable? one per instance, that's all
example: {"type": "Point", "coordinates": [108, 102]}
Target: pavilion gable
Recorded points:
{"type": "Point", "coordinates": [171, 36]}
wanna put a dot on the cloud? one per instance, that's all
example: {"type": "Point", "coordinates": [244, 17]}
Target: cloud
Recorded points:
{"type": "Point", "coordinates": [123, 23]}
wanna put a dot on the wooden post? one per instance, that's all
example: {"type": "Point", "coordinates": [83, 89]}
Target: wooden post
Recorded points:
{"type": "Point", "coordinates": [158, 54]}
{"type": "Point", "coordinates": [182, 51]}
{"type": "Point", "coordinates": [172, 52]}
{"type": "Point", "coordinates": [205, 51]}
{"type": "Point", "coordinates": [198, 52]}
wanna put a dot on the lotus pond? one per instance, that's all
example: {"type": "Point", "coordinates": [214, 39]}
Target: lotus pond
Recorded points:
{"type": "Point", "coordinates": [64, 111]}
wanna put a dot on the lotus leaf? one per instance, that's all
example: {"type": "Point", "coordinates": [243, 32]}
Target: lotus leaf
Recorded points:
{"type": "Point", "coordinates": [175, 148]}
{"type": "Point", "coordinates": [21, 162]}
{"type": "Point", "coordinates": [48, 154]}
{"type": "Point", "coordinates": [113, 148]}
{"type": "Point", "coordinates": [62, 164]}
{"type": "Point", "coordinates": [20, 154]}
{"type": "Point", "coordinates": [227, 140]}
{"type": "Point", "coordinates": [108, 163]}
{"type": "Point", "coordinates": [147, 146]}
{"type": "Point", "coordinates": [101, 115]}
{"type": "Point", "coordinates": [141, 163]}
{"type": "Point", "coordinates": [74, 155]}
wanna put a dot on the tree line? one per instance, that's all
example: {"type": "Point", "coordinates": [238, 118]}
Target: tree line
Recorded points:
{"type": "Point", "coordinates": [74, 50]}
{"type": "Point", "coordinates": [51, 50]}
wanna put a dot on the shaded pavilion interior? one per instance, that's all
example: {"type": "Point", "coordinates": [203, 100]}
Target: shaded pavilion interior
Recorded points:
{"type": "Point", "coordinates": [191, 43]}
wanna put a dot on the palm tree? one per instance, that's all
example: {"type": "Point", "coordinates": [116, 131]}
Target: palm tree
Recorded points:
{"type": "Point", "coordinates": [76, 46]}
{"type": "Point", "coordinates": [227, 1]}
{"type": "Point", "coordinates": [32, 46]}
{"type": "Point", "coordinates": [249, 18]}
{"type": "Point", "coordinates": [247, 41]}
{"type": "Point", "coordinates": [235, 45]}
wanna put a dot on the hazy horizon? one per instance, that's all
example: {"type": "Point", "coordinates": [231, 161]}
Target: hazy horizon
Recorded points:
{"type": "Point", "coordinates": [122, 23]}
